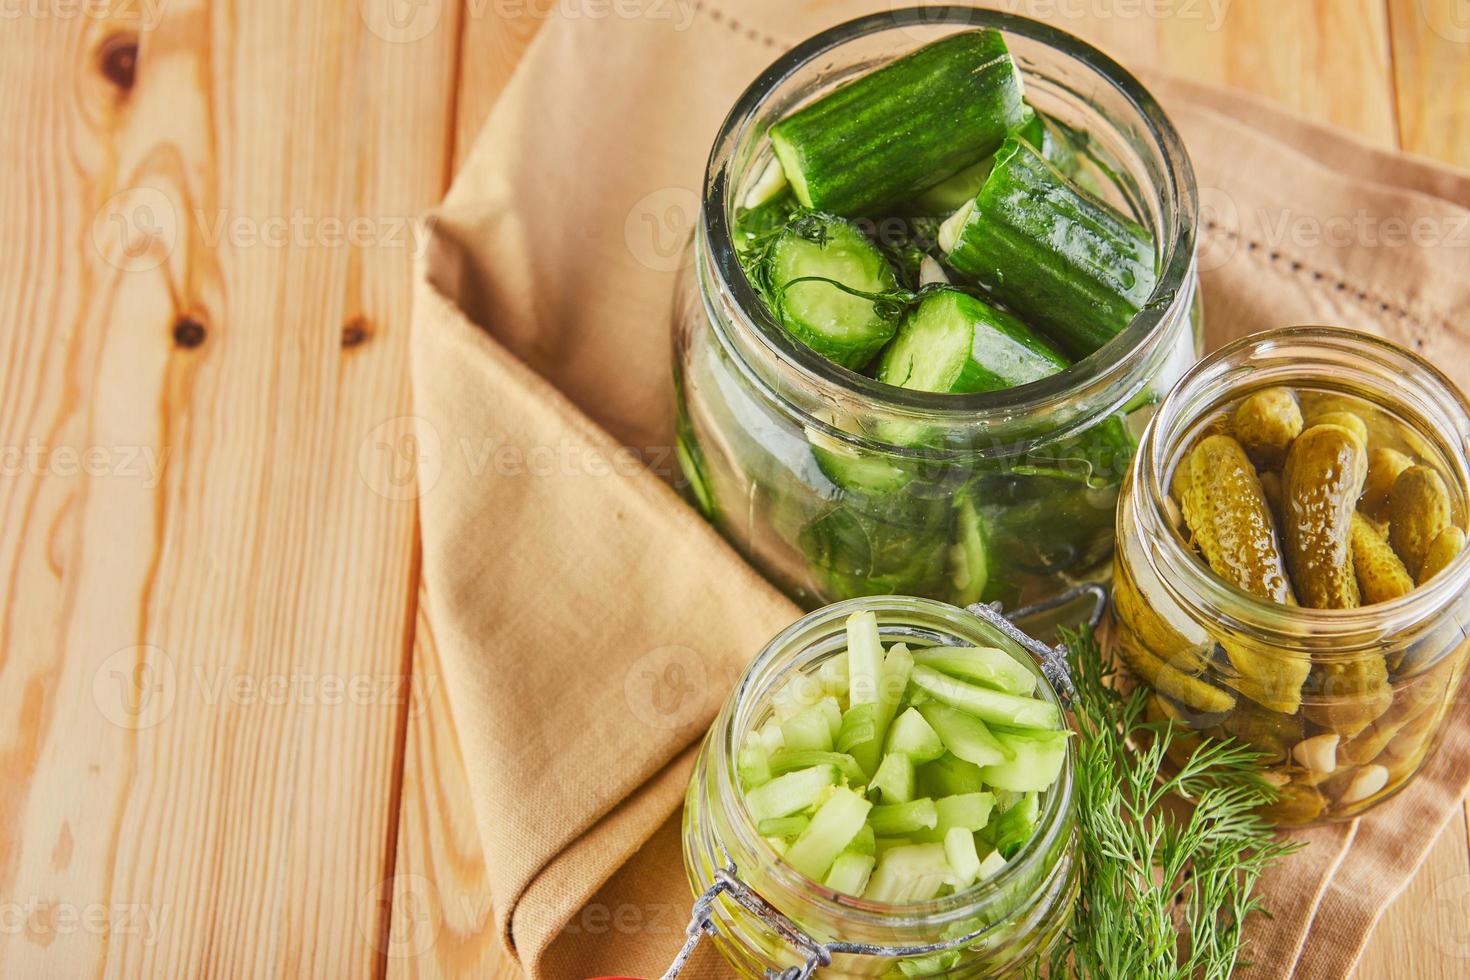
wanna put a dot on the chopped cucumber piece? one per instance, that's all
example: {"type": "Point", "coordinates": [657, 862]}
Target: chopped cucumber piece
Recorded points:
{"type": "Point", "coordinates": [834, 826]}
{"type": "Point", "coordinates": [949, 775]}
{"type": "Point", "coordinates": [797, 694]}
{"type": "Point", "coordinates": [914, 737]}
{"type": "Point", "coordinates": [965, 736]}
{"type": "Point", "coordinates": [992, 865]}
{"type": "Point", "coordinates": [828, 316]}
{"type": "Point", "coordinates": [809, 729]}
{"type": "Point", "coordinates": [832, 675]}
{"type": "Point", "coordinates": [769, 736]}
{"type": "Point", "coordinates": [854, 468]}
{"type": "Point", "coordinates": [882, 845]}
{"type": "Point", "coordinates": [951, 193]}
{"type": "Point", "coordinates": [883, 137]}
{"type": "Point", "coordinates": [850, 872]}
{"type": "Point", "coordinates": [1054, 254]}
{"type": "Point", "coordinates": [783, 761]}
{"type": "Point", "coordinates": [790, 793]}
{"type": "Point", "coordinates": [894, 779]}
{"type": "Point", "coordinates": [864, 659]}
{"type": "Point", "coordinates": [913, 873]}
{"type": "Point", "coordinates": [990, 706]}
{"type": "Point", "coordinates": [770, 185]}
{"type": "Point", "coordinates": [982, 665]}
{"type": "Point", "coordinates": [953, 342]}
{"type": "Point", "coordinates": [783, 826]}
{"type": "Point", "coordinates": [1014, 826]}
{"type": "Point", "coordinates": [1036, 765]}
{"type": "Point", "coordinates": [970, 811]}
{"type": "Point", "coordinates": [933, 965]}
{"type": "Point", "coordinates": [903, 818]}
{"type": "Point", "coordinates": [865, 842]}
{"type": "Point", "coordinates": [969, 554]}
{"type": "Point", "coordinates": [753, 767]}
{"type": "Point", "coordinates": [964, 860]}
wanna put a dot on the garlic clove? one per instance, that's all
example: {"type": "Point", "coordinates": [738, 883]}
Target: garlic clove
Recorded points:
{"type": "Point", "coordinates": [1369, 780]}
{"type": "Point", "coordinates": [1318, 753]}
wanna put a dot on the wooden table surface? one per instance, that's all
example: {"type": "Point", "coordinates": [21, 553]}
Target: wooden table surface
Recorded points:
{"type": "Point", "coordinates": [225, 745]}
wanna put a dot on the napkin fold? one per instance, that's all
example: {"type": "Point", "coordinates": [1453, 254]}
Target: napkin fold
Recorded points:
{"type": "Point", "coordinates": [590, 623]}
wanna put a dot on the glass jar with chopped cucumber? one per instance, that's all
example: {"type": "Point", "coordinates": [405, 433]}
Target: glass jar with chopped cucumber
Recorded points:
{"type": "Point", "coordinates": [890, 773]}
{"type": "Point", "coordinates": [1292, 570]}
{"type": "Point", "coordinates": [944, 271]}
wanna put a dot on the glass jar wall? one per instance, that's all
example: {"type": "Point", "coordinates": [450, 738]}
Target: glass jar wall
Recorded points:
{"type": "Point", "coordinates": [1346, 703]}
{"type": "Point", "coordinates": [1019, 913]}
{"type": "Point", "coordinates": [835, 485]}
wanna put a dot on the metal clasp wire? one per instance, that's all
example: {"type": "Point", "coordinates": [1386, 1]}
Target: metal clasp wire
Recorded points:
{"type": "Point", "coordinates": [701, 922]}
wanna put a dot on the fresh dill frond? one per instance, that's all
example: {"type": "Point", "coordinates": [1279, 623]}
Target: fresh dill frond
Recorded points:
{"type": "Point", "coordinates": [1169, 863]}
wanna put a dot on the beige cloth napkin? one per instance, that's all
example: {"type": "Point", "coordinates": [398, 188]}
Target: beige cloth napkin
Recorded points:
{"type": "Point", "coordinates": [590, 623]}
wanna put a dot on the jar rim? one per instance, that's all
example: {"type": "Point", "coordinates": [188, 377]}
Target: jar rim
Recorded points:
{"type": "Point", "coordinates": [1111, 366]}
{"type": "Point", "coordinates": [1191, 581]}
{"type": "Point", "coordinates": [958, 624]}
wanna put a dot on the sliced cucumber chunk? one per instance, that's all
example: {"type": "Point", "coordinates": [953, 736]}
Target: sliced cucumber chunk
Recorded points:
{"type": "Point", "coordinates": [850, 873]}
{"type": "Point", "coordinates": [954, 342]}
{"type": "Point", "coordinates": [889, 134]}
{"type": "Point", "coordinates": [986, 666]}
{"type": "Point", "coordinates": [969, 811]}
{"type": "Point", "coordinates": [964, 860]}
{"type": "Point", "coordinates": [834, 826]}
{"type": "Point", "coordinates": [969, 554]}
{"type": "Point", "coordinates": [1036, 763]}
{"type": "Point", "coordinates": [790, 793]}
{"type": "Point", "coordinates": [1058, 257]}
{"type": "Point", "coordinates": [753, 767]}
{"type": "Point", "coordinates": [988, 705]}
{"type": "Point", "coordinates": [783, 761]}
{"type": "Point", "coordinates": [809, 729]}
{"type": "Point", "coordinates": [864, 659]}
{"type": "Point", "coordinates": [992, 865]}
{"type": "Point", "coordinates": [911, 873]}
{"type": "Point", "coordinates": [894, 779]}
{"type": "Point", "coordinates": [783, 826]}
{"type": "Point", "coordinates": [914, 737]}
{"type": "Point", "coordinates": [854, 468]}
{"type": "Point", "coordinates": [895, 819]}
{"type": "Point", "coordinates": [965, 735]}
{"type": "Point", "coordinates": [846, 328]}
{"type": "Point", "coordinates": [1014, 826]}
{"type": "Point", "coordinates": [949, 775]}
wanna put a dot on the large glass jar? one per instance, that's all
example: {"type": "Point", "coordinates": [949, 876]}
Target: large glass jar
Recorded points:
{"type": "Point", "coordinates": [1022, 910]}
{"type": "Point", "coordinates": [1345, 703]}
{"type": "Point", "coordinates": [1013, 493]}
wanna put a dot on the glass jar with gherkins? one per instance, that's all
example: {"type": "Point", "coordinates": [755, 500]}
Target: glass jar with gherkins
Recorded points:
{"type": "Point", "coordinates": [944, 271]}
{"type": "Point", "coordinates": [1292, 571]}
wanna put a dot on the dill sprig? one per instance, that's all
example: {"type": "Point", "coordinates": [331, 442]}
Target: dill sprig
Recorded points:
{"type": "Point", "coordinates": [1169, 864]}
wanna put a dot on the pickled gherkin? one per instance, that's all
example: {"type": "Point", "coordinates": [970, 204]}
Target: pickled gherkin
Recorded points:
{"type": "Point", "coordinates": [1226, 510]}
{"type": "Point", "coordinates": [1266, 423]}
{"type": "Point", "coordinates": [1418, 510]}
{"type": "Point", "coordinates": [1323, 478]}
{"type": "Point", "coordinates": [1381, 575]}
{"type": "Point", "coordinates": [1446, 546]}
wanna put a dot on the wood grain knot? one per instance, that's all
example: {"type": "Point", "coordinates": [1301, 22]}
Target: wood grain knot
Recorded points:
{"type": "Point", "coordinates": [117, 59]}
{"type": "Point", "coordinates": [188, 333]}
{"type": "Point", "coordinates": [355, 332]}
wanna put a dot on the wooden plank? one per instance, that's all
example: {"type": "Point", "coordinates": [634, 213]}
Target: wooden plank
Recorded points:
{"type": "Point", "coordinates": [1431, 60]}
{"type": "Point", "coordinates": [1423, 934]}
{"type": "Point", "coordinates": [441, 911]}
{"type": "Point", "coordinates": [493, 38]}
{"type": "Point", "coordinates": [1265, 47]}
{"type": "Point", "coordinates": [253, 593]}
